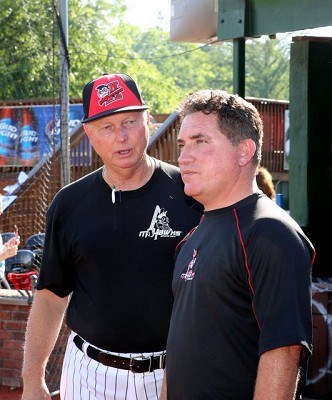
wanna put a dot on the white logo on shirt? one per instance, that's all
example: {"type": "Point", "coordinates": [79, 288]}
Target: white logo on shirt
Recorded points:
{"type": "Point", "coordinates": [189, 275]}
{"type": "Point", "coordinates": [159, 226]}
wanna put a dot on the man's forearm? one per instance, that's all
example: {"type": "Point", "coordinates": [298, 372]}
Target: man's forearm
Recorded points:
{"type": "Point", "coordinates": [43, 327]}
{"type": "Point", "coordinates": [163, 394]}
{"type": "Point", "coordinates": [278, 374]}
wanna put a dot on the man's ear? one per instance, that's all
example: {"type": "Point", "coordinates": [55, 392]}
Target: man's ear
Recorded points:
{"type": "Point", "coordinates": [247, 149]}
{"type": "Point", "coordinates": [87, 130]}
{"type": "Point", "coordinates": [148, 117]}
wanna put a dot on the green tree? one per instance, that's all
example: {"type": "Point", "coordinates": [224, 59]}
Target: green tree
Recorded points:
{"type": "Point", "coordinates": [186, 66]}
{"type": "Point", "coordinates": [219, 66]}
{"type": "Point", "coordinates": [100, 41]}
{"type": "Point", "coordinates": [267, 69]}
{"type": "Point", "coordinates": [95, 45]}
{"type": "Point", "coordinates": [26, 68]}
{"type": "Point", "coordinates": [29, 45]}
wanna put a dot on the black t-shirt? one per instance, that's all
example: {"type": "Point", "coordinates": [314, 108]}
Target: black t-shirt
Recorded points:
{"type": "Point", "coordinates": [117, 259]}
{"type": "Point", "coordinates": [241, 287]}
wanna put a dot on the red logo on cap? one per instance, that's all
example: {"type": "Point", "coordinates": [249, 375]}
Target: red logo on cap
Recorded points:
{"type": "Point", "coordinates": [109, 93]}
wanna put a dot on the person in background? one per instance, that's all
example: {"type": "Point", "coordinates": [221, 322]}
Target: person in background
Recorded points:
{"type": "Point", "coordinates": [7, 250]}
{"type": "Point", "coordinates": [265, 182]}
{"type": "Point", "coordinates": [241, 325]}
{"type": "Point", "coordinates": [108, 259]}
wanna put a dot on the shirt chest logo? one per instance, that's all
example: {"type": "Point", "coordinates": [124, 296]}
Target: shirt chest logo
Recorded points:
{"type": "Point", "coordinates": [159, 226]}
{"type": "Point", "coordinates": [190, 273]}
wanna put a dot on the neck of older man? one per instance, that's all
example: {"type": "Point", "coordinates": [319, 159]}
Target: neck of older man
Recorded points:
{"type": "Point", "coordinates": [130, 178]}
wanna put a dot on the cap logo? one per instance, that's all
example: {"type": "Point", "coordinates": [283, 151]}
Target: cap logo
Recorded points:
{"type": "Point", "coordinates": [109, 93]}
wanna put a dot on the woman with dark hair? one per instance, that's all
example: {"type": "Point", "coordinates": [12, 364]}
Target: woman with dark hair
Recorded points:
{"type": "Point", "coordinates": [265, 182]}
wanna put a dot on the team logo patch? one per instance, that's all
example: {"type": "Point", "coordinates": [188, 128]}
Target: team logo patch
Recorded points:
{"type": "Point", "coordinates": [159, 226]}
{"type": "Point", "coordinates": [109, 93]}
{"type": "Point", "coordinates": [189, 275]}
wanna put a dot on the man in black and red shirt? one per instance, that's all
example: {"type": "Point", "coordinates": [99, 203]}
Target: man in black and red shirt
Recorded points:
{"type": "Point", "coordinates": [241, 322]}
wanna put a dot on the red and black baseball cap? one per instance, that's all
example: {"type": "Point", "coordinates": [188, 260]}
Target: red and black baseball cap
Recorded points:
{"type": "Point", "coordinates": [110, 94]}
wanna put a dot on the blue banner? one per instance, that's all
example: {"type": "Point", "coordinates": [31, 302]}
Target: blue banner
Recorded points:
{"type": "Point", "coordinates": [29, 133]}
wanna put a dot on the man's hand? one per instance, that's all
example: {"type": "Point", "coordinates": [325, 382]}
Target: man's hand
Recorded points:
{"type": "Point", "coordinates": [36, 393]}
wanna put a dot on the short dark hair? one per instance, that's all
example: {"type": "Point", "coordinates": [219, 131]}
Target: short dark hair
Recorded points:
{"type": "Point", "coordinates": [237, 118]}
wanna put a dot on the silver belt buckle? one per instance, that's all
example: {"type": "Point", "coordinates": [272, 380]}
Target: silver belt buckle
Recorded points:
{"type": "Point", "coordinates": [131, 365]}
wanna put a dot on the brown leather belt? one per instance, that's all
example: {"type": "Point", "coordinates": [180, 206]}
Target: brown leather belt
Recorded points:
{"type": "Point", "coordinates": [148, 364]}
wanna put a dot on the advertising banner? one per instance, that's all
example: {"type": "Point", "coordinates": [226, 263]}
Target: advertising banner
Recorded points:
{"type": "Point", "coordinates": [29, 133]}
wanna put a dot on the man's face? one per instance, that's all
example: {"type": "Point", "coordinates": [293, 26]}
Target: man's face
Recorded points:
{"type": "Point", "coordinates": [209, 163]}
{"type": "Point", "coordinates": [120, 139]}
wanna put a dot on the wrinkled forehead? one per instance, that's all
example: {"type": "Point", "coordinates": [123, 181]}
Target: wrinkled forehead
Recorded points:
{"type": "Point", "coordinates": [119, 117]}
